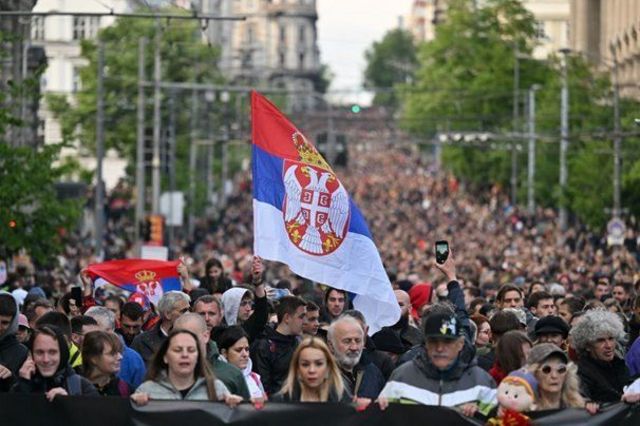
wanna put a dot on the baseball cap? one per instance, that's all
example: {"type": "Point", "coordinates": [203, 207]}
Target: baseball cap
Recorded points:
{"type": "Point", "coordinates": [23, 321]}
{"type": "Point", "coordinates": [443, 326]}
{"type": "Point", "coordinates": [540, 352]}
{"type": "Point", "coordinates": [551, 324]}
{"type": "Point", "coordinates": [141, 300]}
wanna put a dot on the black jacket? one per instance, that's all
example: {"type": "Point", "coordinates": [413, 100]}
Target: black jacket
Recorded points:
{"type": "Point", "coordinates": [65, 378]}
{"type": "Point", "coordinates": [380, 359]}
{"type": "Point", "coordinates": [12, 353]}
{"type": "Point", "coordinates": [410, 336]}
{"type": "Point", "coordinates": [602, 381]}
{"type": "Point", "coordinates": [271, 356]}
{"type": "Point", "coordinates": [365, 381]}
{"type": "Point", "coordinates": [147, 343]}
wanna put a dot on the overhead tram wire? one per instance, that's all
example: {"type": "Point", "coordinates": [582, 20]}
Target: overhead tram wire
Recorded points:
{"type": "Point", "coordinates": [140, 15]}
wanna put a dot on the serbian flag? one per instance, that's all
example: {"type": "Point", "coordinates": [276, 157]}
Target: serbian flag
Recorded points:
{"type": "Point", "coordinates": [152, 278]}
{"type": "Point", "coordinates": [304, 217]}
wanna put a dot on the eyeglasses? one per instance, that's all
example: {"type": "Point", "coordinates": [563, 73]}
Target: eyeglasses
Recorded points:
{"type": "Point", "coordinates": [546, 369]}
{"type": "Point", "coordinates": [247, 303]}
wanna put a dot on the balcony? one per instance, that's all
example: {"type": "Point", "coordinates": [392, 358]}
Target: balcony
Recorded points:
{"type": "Point", "coordinates": [294, 10]}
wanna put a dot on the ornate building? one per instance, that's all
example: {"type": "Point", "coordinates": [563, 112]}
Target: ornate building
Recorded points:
{"type": "Point", "coordinates": [276, 45]}
{"type": "Point", "coordinates": [607, 31]}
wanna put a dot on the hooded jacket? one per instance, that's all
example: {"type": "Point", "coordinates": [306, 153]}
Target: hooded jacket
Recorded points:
{"type": "Point", "coordinates": [162, 388]}
{"type": "Point", "coordinates": [255, 324]}
{"type": "Point", "coordinates": [12, 353]}
{"type": "Point", "coordinates": [64, 377]}
{"type": "Point", "coordinates": [464, 382]}
{"type": "Point", "coordinates": [271, 356]}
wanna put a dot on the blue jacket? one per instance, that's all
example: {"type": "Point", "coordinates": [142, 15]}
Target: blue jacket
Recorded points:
{"type": "Point", "coordinates": [633, 358]}
{"type": "Point", "coordinates": [132, 368]}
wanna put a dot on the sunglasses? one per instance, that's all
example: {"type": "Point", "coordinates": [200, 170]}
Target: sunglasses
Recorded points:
{"type": "Point", "coordinates": [546, 369]}
{"type": "Point", "coordinates": [247, 303]}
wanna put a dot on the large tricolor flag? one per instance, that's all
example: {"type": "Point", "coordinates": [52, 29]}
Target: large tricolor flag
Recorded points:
{"type": "Point", "coordinates": [304, 217]}
{"type": "Point", "coordinates": [152, 278]}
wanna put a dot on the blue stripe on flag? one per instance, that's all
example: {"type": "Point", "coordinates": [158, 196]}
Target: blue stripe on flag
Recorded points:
{"type": "Point", "coordinates": [268, 187]}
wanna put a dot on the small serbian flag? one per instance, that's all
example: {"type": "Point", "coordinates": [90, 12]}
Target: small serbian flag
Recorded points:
{"type": "Point", "coordinates": [304, 217]}
{"type": "Point", "coordinates": [152, 278]}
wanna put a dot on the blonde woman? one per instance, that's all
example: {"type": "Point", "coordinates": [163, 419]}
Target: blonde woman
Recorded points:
{"type": "Point", "coordinates": [313, 376]}
{"type": "Point", "coordinates": [558, 382]}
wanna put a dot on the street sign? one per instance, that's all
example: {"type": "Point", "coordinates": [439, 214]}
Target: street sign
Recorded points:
{"type": "Point", "coordinates": [615, 232]}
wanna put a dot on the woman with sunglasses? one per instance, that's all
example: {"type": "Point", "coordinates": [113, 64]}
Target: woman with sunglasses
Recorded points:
{"type": "Point", "coordinates": [558, 383]}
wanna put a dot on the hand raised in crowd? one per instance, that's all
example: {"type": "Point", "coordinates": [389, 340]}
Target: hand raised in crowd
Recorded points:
{"type": "Point", "coordinates": [448, 268]}
{"type": "Point", "coordinates": [232, 400]}
{"type": "Point", "coordinates": [5, 373]}
{"type": "Point", "coordinates": [55, 392]}
{"type": "Point", "coordinates": [257, 271]}
{"type": "Point", "coordinates": [87, 285]}
{"type": "Point", "coordinates": [383, 402]}
{"type": "Point", "coordinates": [140, 398]}
{"type": "Point", "coordinates": [183, 272]}
{"type": "Point", "coordinates": [28, 369]}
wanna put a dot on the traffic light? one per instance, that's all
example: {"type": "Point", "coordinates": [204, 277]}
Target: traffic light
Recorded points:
{"type": "Point", "coordinates": [145, 230]}
{"type": "Point", "coordinates": [12, 224]}
{"type": "Point", "coordinates": [156, 225]}
{"type": "Point", "coordinates": [356, 109]}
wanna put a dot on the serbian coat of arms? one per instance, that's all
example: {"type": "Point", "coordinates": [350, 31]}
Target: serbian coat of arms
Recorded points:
{"type": "Point", "coordinates": [316, 206]}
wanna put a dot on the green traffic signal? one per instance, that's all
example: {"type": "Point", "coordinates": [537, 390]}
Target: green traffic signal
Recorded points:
{"type": "Point", "coordinates": [355, 109]}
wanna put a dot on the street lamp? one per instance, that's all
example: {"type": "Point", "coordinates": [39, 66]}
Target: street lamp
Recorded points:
{"type": "Point", "coordinates": [564, 139]}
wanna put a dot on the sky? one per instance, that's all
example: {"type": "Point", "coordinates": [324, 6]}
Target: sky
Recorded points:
{"type": "Point", "coordinates": [346, 29]}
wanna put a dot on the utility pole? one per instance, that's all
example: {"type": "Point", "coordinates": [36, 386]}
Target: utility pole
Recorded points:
{"type": "Point", "coordinates": [516, 116]}
{"type": "Point", "coordinates": [617, 141]}
{"type": "Point", "coordinates": [155, 162]}
{"type": "Point", "coordinates": [224, 97]}
{"type": "Point", "coordinates": [531, 164]}
{"type": "Point", "coordinates": [564, 139]}
{"type": "Point", "coordinates": [99, 200]}
{"type": "Point", "coordinates": [192, 161]}
{"type": "Point", "coordinates": [331, 136]}
{"type": "Point", "coordinates": [140, 177]}
{"type": "Point", "coordinates": [171, 159]}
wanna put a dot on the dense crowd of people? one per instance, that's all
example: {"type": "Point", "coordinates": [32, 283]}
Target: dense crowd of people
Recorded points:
{"type": "Point", "coordinates": [514, 295]}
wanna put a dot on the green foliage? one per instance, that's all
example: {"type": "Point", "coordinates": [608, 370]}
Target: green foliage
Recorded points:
{"type": "Point", "coordinates": [464, 82]}
{"type": "Point", "coordinates": [390, 61]}
{"type": "Point", "coordinates": [28, 201]}
{"type": "Point", "coordinates": [184, 59]}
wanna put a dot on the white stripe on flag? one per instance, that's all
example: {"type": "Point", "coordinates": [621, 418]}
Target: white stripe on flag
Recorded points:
{"type": "Point", "coordinates": [355, 266]}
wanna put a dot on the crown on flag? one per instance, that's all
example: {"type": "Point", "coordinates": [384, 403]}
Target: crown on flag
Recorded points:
{"type": "Point", "coordinates": [308, 153]}
{"type": "Point", "coordinates": [145, 275]}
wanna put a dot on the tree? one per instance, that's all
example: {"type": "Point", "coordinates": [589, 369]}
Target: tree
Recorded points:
{"type": "Point", "coordinates": [184, 59]}
{"type": "Point", "coordinates": [31, 216]}
{"type": "Point", "coordinates": [390, 61]}
{"type": "Point", "coordinates": [464, 82]}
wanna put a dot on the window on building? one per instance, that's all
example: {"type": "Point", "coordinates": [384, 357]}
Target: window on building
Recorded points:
{"type": "Point", "coordinates": [283, 34]}
{"type": "Point", "coordinates": [76, 83]}
{"type": "Point", "coordinates": [301, 34]}
{"type": "Point", "coordinates": [301, 60]}
{"type": "Point", "coordinates": [85, 27]}
{"type": "Point", "coordinates": [79, 25]}
{"type": "Point", "coordinates": [37, 28]}
{"type": "Point", "coordinates": [250, 34]}
{"type": "Point", "coordinates": [281, 59]}
{"type": "Point", "coordinates": [539, 28]}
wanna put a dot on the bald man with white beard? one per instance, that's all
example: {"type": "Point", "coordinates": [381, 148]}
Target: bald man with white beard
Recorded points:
{"type": "Point", "coordinates": [409, 335]}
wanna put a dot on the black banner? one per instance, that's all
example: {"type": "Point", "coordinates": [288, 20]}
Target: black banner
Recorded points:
{"type": "Point", "coordinates": [20, 409]}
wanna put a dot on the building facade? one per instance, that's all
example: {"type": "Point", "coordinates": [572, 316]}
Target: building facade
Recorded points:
{"type": "Point", "coordinates": [275, 46]}
{"type": "Point", "coordinates": [606, 31]}
{"type": "Point", "coordinates": [60, 37]}
{"type": "Point", "coordinates": [552, 21]}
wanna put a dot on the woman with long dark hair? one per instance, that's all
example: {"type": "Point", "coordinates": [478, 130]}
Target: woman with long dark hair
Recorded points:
{"type": "Point", "coordinates": [234, 349]}
{"type": "Point", "coordinates": [179, 371]}
{"type": "Point", "coordinates": [215, 281]}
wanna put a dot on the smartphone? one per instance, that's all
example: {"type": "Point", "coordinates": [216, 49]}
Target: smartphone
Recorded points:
{"type": "Point", "coordinates": [76, 294]}
{"type": "Point", "coordinates": [442, 251]}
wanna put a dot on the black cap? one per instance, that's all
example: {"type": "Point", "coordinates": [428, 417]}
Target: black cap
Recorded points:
{"type": "Point", "coordinates": [551, 324]}
{"type": "Point", "coordinates": [443, 326]}
{"type": "Point", "coordinates": [387, 340]}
